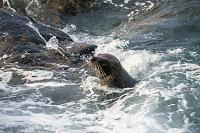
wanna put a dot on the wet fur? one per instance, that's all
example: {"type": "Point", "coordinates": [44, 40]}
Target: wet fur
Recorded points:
{"type": "Point", "coordinates": [111, 72]}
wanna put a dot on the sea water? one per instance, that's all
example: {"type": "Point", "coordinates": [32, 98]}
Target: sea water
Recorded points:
{"type": "Point", "coordinates": [157, 42]}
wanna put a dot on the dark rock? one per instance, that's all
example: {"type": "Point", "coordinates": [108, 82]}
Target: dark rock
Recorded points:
{"type": "Point", "coordinates": [24, 42]}
{"type": "Point", "coordinates": [52, 12]}
{"type": "Point", "coordinates": [22, 48]}
{"type": "Point", "coordinates": [76, 7]}
{"type": "Point", "coordinates": [19, 5]}
{"type": "Point", "coordinates": [18, 27]}
{"type": "Point", "coordinates": [47, 32]}
{"type": "Point", "coordinates": [80, 48]}
{"type": "Point", "coordinates": [1, 3]}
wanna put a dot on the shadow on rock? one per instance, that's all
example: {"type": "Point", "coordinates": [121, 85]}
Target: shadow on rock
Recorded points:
{"type": "Point", "coordinates": [24, 42]}
{"type": "Point", "coordinates": [52, 12]}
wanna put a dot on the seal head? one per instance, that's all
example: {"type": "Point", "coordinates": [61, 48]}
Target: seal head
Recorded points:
{"type": "Point", "coordinates": [111, 72]}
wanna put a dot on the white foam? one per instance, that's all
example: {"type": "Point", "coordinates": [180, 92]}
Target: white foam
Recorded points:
{"type": "Point", "coordinates": [126, 1]}
{"type": "Point", "coordinates": [46, 84]}
{"type": "Point", "coordinates": [90, 83]}
{"type": "Point", "coordinates": [7, 3]}
{"type": "Point", "coordinates": [52, 43]}
{"type": "Point", "coordinates": [134, 112]}
{"type": "Point", "coordinates": [150, 6]}
{"type": "Point", "coordinates": [32, 4]}
{"type": "Point", "coordinates": [175, 51]}
{"type": "Point", "coordinates": [138, 62]}
{"type": "Point", "coordinates": [5, 76]}
{"type": "Point", "coordinates": [37, 75]}
{"type": "Point", "coordinates": [69, 28]}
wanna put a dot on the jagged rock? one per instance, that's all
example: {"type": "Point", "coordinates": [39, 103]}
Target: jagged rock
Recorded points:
{"type": "Point", "coordinates": [51, 12]}
{"type": "Point", "coordinates": [24, 42]}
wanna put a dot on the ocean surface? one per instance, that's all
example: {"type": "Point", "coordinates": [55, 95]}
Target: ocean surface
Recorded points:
{"type": "Point", "coordinates": [157, 42]}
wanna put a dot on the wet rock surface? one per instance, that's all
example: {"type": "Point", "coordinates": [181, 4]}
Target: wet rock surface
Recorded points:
{"type": "Point", "coordinates": [23, 41]}
{"type": "Point", "coordinates": [1, 3]}
{"type": "Point", "coordinates": [52, 12]}
{"type": "Point", "coordinates": [31, 40]}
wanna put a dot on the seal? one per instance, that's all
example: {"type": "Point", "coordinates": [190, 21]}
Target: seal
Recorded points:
{"type": "Point", "coordinates": [110, 71]}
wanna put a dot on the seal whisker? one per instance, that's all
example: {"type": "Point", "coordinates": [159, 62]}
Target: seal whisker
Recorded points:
{"type": "Point", "coordinates": [110, 71]}
{"type": "Point", "coordinates": [84, 65]}
{"type": "Point", "coordinates": [101, 73]}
